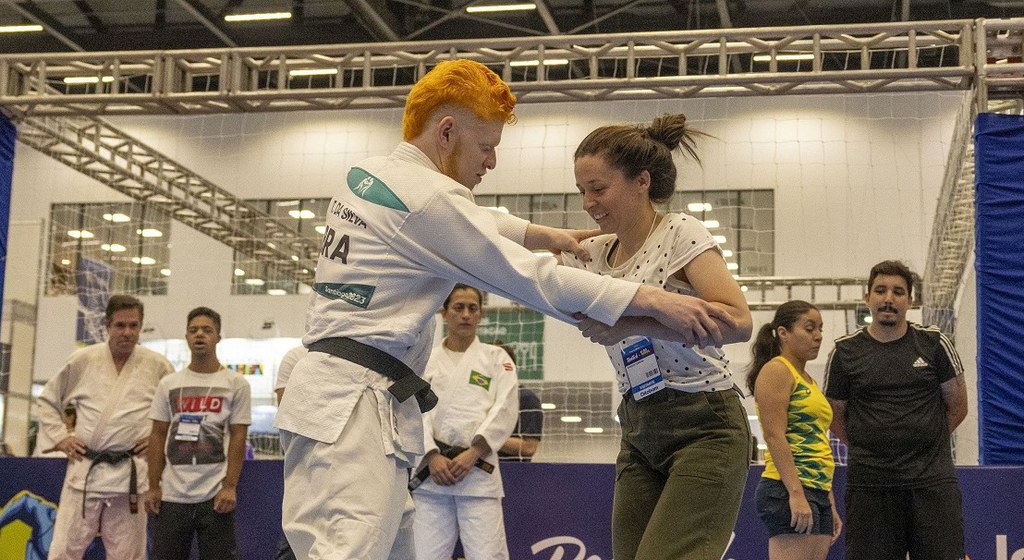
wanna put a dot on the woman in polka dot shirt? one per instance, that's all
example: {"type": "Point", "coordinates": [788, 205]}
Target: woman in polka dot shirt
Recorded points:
{"type": "Point", "coordinates": [682, 465]}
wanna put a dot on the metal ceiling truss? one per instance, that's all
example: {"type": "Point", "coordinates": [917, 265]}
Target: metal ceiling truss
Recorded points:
{"type": "Point", "coordinates": [885, 57]}
{"type": "Point", "coordinates": [132, 168]}
{"type": "Point", "coordinates": [981, 56]}
{"type": "Point", "coordinates": [767, 293]}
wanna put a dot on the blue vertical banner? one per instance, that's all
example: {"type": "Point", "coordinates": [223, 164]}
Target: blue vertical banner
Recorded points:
{"type": "Point", "coordinates": [94, 281]}
{"type": "Point", "coordinates": [8, 134]}
{"type": "Point", "coordinates": [999, 262]}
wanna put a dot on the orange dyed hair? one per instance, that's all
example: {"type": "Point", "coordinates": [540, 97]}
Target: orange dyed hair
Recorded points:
{"type": "Point", "coordinates": [459, 82]}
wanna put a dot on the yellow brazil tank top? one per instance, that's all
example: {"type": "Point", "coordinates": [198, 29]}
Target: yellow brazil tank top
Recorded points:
{"type": "Point", "coordinates": [807, 432]}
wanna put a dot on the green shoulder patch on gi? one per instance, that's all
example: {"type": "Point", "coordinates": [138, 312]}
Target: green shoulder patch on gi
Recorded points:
{"type": "Point", "coordinates": [368, 187]}
{"type": "Point", "coordinates": [358, 295]}
{"type": "Point", "coordinates": [479, 379]}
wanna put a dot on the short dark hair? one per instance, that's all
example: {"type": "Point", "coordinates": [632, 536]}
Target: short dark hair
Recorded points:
{"type": "Point", "coordinates": [479, 294]}
{"type": "Point", "coordinates": [120, 302]}
{"type": "Point", "coordinates": [205, 312]}
{"type": "Point", "coordinates": [893, 268]}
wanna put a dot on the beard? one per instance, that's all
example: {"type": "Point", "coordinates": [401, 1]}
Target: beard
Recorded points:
{"type": "Point", "coordinates": [450, 163]}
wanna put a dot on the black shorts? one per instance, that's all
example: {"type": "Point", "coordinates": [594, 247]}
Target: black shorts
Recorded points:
{"type": "Point", "coordinates": [886, 524]}
{"type": "Point", "coordinates": [773, 508]}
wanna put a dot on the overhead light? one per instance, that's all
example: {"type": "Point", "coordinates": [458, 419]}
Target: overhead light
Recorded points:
{"type": "Point", "coordinates": [265, 16]}
{"type": "Point", "coordinates": [113, 247]}
{"type": "Point", "coordinates": [71, 80]}
{"type": "Point", "coordinates": [321, 229]}
{"type": "Point", "coordinates": [501, 8]}
{"type": "Point", "coordinates": [271, 245]}
{"type": "Point", "coordinates": [744, 288]}
{"type": "Point", "coordinates": [719, 239]}
{"type": "Point", "coordinates": [547, 406]}
{"type": "Point", "coordinates": [295, 257]}
{"type": "Point", "coordinates": [783, 57]}
{"type": "Point", "coordinates": [149, 232]}
{"type": "Point", "coordinates": [117, 217]}
{"type": "Point", "coordinates": [301, 214]}
{"type": "Point", "coordinates": [27, 28]}
{"type": "Point", "coordinates": [547, 62]}
{"type": "Point", "coordinates": [732, 266]}
{"type": "Point", "coordinates": [81, 234]}
{"type": "Point", "coordinates": [254, 281]}
{"type": "Point", "coordinates": [868, 318]}
{"type": "Point", "coordinates": [165, 271]}
{"type": "Point", "coordinates": [143, 260]}
{"type": "Point", "coordinates": [65, 262]}
{"type": "Point", "coordinates": [710, 224]}
{"type": "Point", "coordinates": [593, 430]}
{"type": "Point", "coordinates": [571, 419]}
{"type": "Point", "coordinates": [313, 72]}
{"type": "Point", "coordinates": [239, 272]}
{"type": "Point", "coordinates": [288, 203]}
{"type": "Point", "coordinates": [277, 292]}
{"type": "Point", "coordinates": [699, 207]}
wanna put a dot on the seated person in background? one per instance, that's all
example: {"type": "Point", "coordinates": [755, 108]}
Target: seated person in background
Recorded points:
{"type": "Point", "coordinates": [522, 444]}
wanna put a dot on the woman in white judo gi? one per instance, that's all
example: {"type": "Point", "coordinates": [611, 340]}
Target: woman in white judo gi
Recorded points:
{"type": "Point", "coordinates": [478, 404]}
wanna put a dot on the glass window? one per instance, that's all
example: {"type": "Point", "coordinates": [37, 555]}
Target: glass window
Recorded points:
{"type": "Point", "coordinates": [115, 247]}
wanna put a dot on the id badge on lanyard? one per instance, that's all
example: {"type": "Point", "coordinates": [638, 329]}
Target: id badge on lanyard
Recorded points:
{"type": "Point", "coordinates": [641, 367]}
{"type": "Point", "coordinates": [188, 427]}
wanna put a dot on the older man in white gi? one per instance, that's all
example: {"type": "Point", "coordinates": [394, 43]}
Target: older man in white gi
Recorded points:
{"type": "Point", "coordinates": [110, 386]}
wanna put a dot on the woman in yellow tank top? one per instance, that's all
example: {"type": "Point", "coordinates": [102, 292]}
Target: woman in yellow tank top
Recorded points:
{"type": "Point", "coordinates": [794, 496]}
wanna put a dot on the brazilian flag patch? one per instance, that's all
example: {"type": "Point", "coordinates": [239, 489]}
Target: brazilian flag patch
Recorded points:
{"type": "Point", "coordinates": [479, 379]}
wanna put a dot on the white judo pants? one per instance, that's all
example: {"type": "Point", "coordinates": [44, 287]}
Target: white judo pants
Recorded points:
{"type": "Point", "coordinates": [347, 500]}
{"type": "Point", "coordinates": [123, 533]}
{"type": "Point", "coordinates": [441, 519]}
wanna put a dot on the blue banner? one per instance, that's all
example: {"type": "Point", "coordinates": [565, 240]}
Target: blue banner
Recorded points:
{"type": "Point", "coordinates": [552, 511]}
{"type": "Point", "coordinates": [8, 136]}
{"type": "Point", "coordinates": [94, 281]}
{"type": "Point", "coordinates": [999, 262]}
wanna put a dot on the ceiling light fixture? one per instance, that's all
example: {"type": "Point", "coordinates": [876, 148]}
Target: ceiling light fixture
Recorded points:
{"type": "Point", "coordinates": [547, 62]}
{"type": "Point", "coordinates": [486, 8]}
{"type": "Point", "coordinates": [27, 28]}
{"type": "Point", "coordinates": [301, 214]}
{"type": "Point", "coordinates": [313, 72]}
{"type": "Point", "coordinates": [73, 80]}
{"type": "Point", "coordinates": [571, 419]}
{"type": "Point", "coordinates": [783, 57]}
{"type": "Point", "coordinates": [699, 207]}
{"type": "Point", "coordinates": [265, 16]}
{"type": "Point", "coordinates": [117, 217]}
{"type": "Point", "coordinates": [81, 234]}
{"type": "Point", "coordinates": [548, 406]}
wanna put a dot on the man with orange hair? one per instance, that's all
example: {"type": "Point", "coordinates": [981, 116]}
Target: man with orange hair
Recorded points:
{"type": "Point", "coordinates": [398, 238]}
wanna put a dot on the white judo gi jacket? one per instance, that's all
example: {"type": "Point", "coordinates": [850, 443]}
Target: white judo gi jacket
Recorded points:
{"type": "Point", "coordinates": [478, 395]}
{"type": "Point", "coordinates": [90, 383]}
{"type": "Point", "coordinates": [399, 236]}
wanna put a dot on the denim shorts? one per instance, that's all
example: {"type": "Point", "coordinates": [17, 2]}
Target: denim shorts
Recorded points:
{"type": "Point", "coordinates": [773, 508]}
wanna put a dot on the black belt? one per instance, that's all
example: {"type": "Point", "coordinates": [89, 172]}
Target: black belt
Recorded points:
{"type": "Point", "coordinates": [450, 451]}
{"type": "Point", "coordinates": [113, 458]}
{"type": "Point", "coordinates": [406, 382]}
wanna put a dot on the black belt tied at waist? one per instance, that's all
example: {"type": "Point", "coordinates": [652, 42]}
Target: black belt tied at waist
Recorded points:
{"type": "Point", "coordinates": [406, 382]}
{"type": "Point", "coordinates": [450, 451]}
{"type": "Point", "coordinates": [113, 458]}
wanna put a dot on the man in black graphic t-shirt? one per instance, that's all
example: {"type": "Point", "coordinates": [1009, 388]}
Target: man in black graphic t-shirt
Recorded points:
{"type": "Point", "coordinates": [897, 391]}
